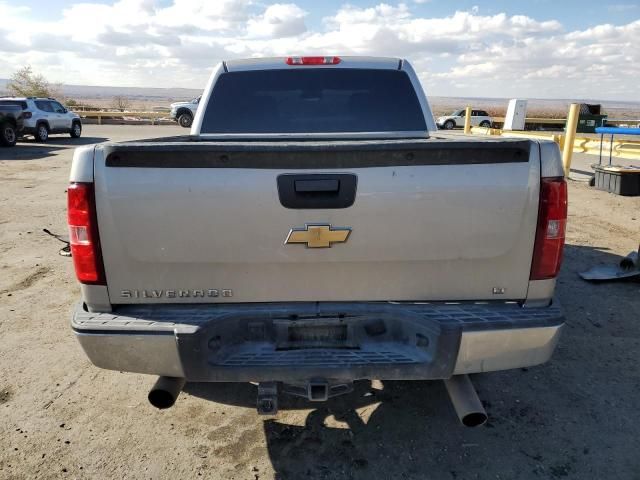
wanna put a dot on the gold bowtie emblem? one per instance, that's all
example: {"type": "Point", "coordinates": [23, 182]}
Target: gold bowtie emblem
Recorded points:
{"type": "Point", "coordinates": [318, 236]}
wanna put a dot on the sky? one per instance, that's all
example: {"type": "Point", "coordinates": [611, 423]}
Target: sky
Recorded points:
{"type": "Point", "coordinates": [529, 49]}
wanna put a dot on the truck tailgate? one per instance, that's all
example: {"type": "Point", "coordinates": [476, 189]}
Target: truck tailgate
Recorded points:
{"type": "Point", "coordinates": [198, 222]}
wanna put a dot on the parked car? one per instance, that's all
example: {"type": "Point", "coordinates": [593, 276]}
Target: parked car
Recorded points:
{"type": "Point", "coordinates": [11, 123]}
{"type": "Point", "coordinates": [479, 118]}
{"type": "Point", "coordinates": [183, 112]}
{"type": "Point", "coordinates": [317, 234]}
{"type": "Point", "coordinates": [45, 116]}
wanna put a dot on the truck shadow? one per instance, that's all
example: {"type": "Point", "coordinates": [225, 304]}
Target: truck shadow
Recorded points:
{"type": "Point", "coordinates": [344, 437]}
{"type": "Point", "coordinates": [406, 430]}
{"type": "Point", "coordinates": [549, 421]}
{"type": "Point", "coordinates": [28, 149]}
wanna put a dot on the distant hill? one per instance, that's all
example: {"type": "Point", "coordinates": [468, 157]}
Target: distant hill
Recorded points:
{"type": "Point", "coordinates": [101, 94]}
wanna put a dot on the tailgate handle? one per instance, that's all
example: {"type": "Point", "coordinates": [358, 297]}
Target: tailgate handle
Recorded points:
{"type": "Point", "coordinates": [317, 190]}
{"type": "Point", "coordinates": [317, 186]}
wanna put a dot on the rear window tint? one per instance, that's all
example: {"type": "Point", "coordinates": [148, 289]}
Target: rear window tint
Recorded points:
{"type": "Point", "coordinates": [313, 100]}
{"type": "Point", "coordinates": [16, 103]}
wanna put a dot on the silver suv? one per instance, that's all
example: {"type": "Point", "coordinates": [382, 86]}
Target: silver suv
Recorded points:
{"type": "Point", "coordinates": [44, 116]}
{"type": "Point", "coordinates": [479, 118]}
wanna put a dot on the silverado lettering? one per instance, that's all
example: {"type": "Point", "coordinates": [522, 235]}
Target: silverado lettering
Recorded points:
{"type": "Point", "coordinates": [211, 292]}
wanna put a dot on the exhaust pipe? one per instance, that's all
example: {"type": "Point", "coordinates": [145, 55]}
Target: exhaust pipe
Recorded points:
{"type": "Point", "coordinates": [465, 400]}
{"type": "Point", "coordinates": [165, 391]}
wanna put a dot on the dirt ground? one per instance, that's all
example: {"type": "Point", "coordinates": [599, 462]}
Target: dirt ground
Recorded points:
{"type": "Point", "coordinates": [60, 417]}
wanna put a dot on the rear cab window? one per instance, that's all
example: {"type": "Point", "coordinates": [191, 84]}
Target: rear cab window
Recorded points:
{"type": "Point", "coordinates": [313, 100]}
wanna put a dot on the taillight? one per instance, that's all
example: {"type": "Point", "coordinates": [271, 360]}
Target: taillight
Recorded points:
{"type": "Point", "coordinates": [83, 234]}
{"type": "Point", "coordinates": [552, 222]}
{"type": "Point", "coordinates": [312, 60]}
{"type": "Point", "coordinates": [27, 114]}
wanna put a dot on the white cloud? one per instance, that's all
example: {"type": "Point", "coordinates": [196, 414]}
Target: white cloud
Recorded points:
{"type": "Point", "coordinates": [277, 21]}
{"type": "Point", "coordinates": [211, 16]}
{"type": "Point", "coordinates": [176, 43]}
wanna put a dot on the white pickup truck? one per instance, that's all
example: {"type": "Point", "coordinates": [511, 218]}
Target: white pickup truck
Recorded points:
{"type": "Point", "coordinates": [314, 230]}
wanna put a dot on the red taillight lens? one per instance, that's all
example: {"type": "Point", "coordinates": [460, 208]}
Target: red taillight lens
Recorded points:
{"type": "Point", "coordinates": [26, 114]}
{"type": "Point", "coordinates": [552, 221]}
{"type": "Point", "coordinates": [312, 60]}
{"type": "Point", "coordinates": [83, 234]}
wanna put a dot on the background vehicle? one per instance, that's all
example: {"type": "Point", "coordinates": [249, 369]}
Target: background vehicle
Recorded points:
{"type": "Point", "coordinates": [456, 119]}
{"type": "Point", "coordinates": [10, 124]}
{"type": "Point", "coordinates": [45, 116]}
{"type": "Point", "coordinates": [183, 112]}
{"type": "Point", "coordinates": [311, 232]}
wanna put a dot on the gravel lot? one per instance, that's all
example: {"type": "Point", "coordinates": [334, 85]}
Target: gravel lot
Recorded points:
{"type": "Point", "coordinates": [60, 417]}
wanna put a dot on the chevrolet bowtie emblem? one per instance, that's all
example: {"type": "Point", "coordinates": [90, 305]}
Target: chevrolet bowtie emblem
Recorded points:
{"type": "Point", "coordinates": [318, 236]}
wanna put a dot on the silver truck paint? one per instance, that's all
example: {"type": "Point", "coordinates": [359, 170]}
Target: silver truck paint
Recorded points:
{"type": "Point", "coordinates": [431, 281]}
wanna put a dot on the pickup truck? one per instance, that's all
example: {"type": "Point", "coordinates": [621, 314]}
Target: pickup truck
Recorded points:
{"type": "Point", "coordinates": [11, 122]}
{"type": "Point", "coordinates": [183, 112]}
{"type": "Point", "coordinates": [314, 229]}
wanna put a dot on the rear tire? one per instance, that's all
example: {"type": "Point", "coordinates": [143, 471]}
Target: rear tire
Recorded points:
{"type": "Point", "coordinates": [76, 130]}
{"type": "Point", "coordinates": [449, 124]}
{"type": "Point", "coordinates": [42, 133]}
{"type": "Point", "coordinates": [485, 124]}
{"type": "Point", "coordinates": [8, 135]}
{"type": "Point", "coordinates": [185, 120]}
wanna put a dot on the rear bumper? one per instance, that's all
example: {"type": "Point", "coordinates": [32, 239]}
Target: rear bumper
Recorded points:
{"type": "Point", "coordinates": [336, 341]}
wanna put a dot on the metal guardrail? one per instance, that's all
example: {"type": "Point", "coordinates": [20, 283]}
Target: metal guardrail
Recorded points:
{"type": "Point", "coordinates": [153, 116]}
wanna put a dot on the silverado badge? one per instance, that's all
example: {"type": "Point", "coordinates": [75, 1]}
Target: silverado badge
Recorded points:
{"type": "Point", "coordinates": [318, 236]}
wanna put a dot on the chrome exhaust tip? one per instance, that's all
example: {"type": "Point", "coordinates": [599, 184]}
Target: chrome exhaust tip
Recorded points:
{"type": "Point", "coordinates": [465, 401]}
{"type": "Point", "coordinates": [165, 391]}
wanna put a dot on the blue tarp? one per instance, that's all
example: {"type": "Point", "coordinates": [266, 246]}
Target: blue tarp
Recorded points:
{"type": "Point", "coordinates": [618, 130]}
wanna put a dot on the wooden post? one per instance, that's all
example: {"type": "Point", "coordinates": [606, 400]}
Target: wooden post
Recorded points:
{"type": "Point", "coordinates": [99, 119]}
{"type": "Point", "coordinates": [569, 137]}
{"type": "Point", "coordinates": [467, 121]}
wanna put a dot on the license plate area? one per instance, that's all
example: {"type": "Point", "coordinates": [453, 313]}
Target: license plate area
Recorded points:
{"type": "Point", "coordinates": [316, 333]}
